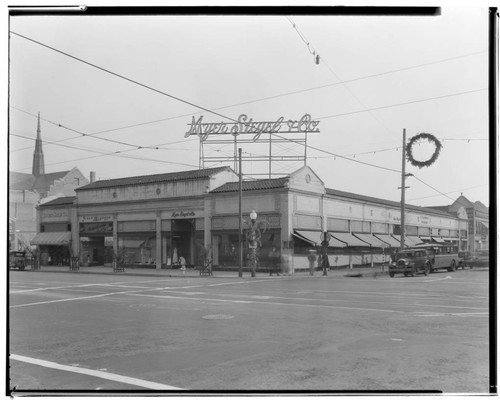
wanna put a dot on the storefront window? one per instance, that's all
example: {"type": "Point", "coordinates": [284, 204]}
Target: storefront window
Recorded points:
{"type": "Point", "coordinates": [138, 248]}
{"type": "Point", "coordinates": [378, 227]}
{"type": "Point", "coordinates": [339, 225]}
{"type": "Point", "coordinates": [360, 226]}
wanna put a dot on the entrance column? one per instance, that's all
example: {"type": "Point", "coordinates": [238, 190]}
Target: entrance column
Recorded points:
{"type": "Point", "coordinates": [158, 240]}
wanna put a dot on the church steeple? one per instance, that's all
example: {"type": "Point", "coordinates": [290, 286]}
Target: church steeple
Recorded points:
{"type": "Point", "coordinates": [38, 162]}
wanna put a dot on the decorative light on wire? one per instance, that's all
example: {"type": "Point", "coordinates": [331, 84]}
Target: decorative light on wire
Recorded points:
{"type": "Point", "coordinates": [313, 52]}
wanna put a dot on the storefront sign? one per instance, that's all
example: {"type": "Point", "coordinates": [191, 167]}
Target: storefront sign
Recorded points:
{"type": "Point", "coordinates": [247, 125]}
{"type": "Point", "coordinates": [183, 214]}
{"type": "Point", "coordinates": [423, 219]}
{"type": "Point", "coordinates": [96, 227]}
{"type": "Point", "coordinates": [55, 215]}
{"type": "Point", "coordinates": [96, 218]}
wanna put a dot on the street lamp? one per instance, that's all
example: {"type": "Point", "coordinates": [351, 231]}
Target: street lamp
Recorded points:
{"type": "Point", "coordinates": [253, 239]}
{"type": "Point", "coordinates": [253, 216]}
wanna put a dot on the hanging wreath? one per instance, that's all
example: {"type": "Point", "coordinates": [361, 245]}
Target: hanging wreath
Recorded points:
{"type": "Point", "coordinates": [430, 138]}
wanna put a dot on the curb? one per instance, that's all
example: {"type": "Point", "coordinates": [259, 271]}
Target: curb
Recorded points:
{"type": "Point", "coordinates": [346, 274]}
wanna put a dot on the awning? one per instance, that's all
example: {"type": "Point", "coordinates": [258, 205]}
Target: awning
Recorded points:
{"type": "Point", "coordinates": [449, 239]}
{"type": "Point", "coordinates": [412, 240]}
{"type": "Point", "coordinates": [437, 239]}
{"type": "Point", "coordinates": [52, 238]}
{"type": "Point", "coordinates": [389, 240]}
{"type": "Point", "coordinates": [349, 239]}
{"type": "Point", "coordinates": [309, 236]}
{"type": "Point", "coordinates": [314, 238]}
{"type": "Point", "coordinates": [485, 224]}
{"type": "Point", "coordinates": [370, 239]}
{"type": "Point", "coordinates": [425, 237]}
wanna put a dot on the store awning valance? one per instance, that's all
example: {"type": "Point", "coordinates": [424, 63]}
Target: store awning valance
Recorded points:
{"type": "Point", "coordinates": [438, 239]}
{"type": "Point", "coordinates": [349, 239]}
{"type": "Point", "coordinates": [370, 239]}
{"type": "Point", "coordinates": [52, 238]}
{"type": "Point", "coordinates": [412, 240]}
{"type": "Point", "coordinates": [314, 238]}
{"type": "Point", "coordinates": [389, 240]}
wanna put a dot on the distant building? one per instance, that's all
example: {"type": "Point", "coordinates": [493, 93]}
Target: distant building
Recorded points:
{"type": "Point", "coordinates": [478, 222]}
{"type": "Point", "coordinates": [26, 191]}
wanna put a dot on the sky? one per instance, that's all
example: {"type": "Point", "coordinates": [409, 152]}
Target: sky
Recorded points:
{"type": "Point", "coordinates": [116, 95]}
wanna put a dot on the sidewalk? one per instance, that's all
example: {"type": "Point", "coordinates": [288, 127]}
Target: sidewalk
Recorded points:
{"type": "Point", "coordinates": [192, 273]}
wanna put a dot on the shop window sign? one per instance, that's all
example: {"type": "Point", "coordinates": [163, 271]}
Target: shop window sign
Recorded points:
{"type": "Point", "coordinates": [96, 227]}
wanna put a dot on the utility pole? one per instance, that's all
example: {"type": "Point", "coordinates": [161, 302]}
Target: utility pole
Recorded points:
{"type": "Point", "coordinates": [403, 187]}
{"type": "Point", "coordinates": [240, 249]}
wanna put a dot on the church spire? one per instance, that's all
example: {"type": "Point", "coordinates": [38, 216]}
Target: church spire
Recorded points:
{"type": "Point", "coordinates": [38, 162]}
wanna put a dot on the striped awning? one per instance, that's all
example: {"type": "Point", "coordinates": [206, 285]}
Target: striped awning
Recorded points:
{"type": "Point", "coordinates": [314, 238]}
{"type": "Point", "coordinates": [51, 238]}
{"type": "Point", "coordinates": [349, 239]}
{"type": "Point", "coordinates": [371, 240]}
{"type": "Point", "coordinates": [412, 240]}
{"type": "Point", "coordinates": [389, 240]}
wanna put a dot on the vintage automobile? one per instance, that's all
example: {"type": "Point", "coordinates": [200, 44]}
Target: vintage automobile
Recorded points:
{"type": "Point", "coordinates": [480, 259]}
{"type": "Point", "coordinates": [17, 260]}
{"type": "Point", "coordinates": [410, 262]}
{"type": "Point", "coordinates": [464, 259]}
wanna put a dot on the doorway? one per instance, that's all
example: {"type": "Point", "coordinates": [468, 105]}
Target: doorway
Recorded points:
{"type": "Point", "coordinates": [183, 239]}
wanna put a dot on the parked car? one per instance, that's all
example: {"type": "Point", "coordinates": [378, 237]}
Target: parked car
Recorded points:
{"type": "Point", "coordinates": [465, 259]}
{"type": "Point", "coordinates": [410, 262]}
{"type": "Point", "coordinates": [480, 259]}
{"type": "Point", "coordinates": [17, 260]}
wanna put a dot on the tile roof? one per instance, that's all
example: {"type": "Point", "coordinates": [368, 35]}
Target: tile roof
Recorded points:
{"type": "Point", "coordinates": [60, 201]}
{"type": "Point", "coordinates": [348, 195]}
{"type": "Point", "coordinates": [157, 178]}
{"type": "Point", "coordinates": [260, 184]}
{"type": "Point", "coordinates": [43, 182]}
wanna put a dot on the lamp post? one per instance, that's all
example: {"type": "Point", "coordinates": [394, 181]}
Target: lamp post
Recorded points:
{"type": "Point", "coordinates": [253, 241]}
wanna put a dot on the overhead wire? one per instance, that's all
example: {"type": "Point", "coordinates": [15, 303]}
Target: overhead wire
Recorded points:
{"type": "Point", "coordinates": [221, 115]}
{"type": "Point", "coordinates": [454, 191]}
{"type": "Point", "coordinates": [118, 153]}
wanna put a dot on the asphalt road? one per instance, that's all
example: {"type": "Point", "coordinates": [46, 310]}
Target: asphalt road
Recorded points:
{"type": "Point", "coordinates": [131, 333]}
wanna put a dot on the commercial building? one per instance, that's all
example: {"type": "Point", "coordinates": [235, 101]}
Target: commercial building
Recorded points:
{"type": "Point", "coordinates": [153, 220]}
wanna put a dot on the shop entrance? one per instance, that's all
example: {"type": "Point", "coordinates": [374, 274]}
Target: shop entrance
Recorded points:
{"type": "Point", "coordinates": [96, 250]}
{"type": "Point", "coordinates": [182, 240]}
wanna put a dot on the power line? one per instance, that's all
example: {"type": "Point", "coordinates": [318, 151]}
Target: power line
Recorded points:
{"type": "Point", "coordinates": [403, 104]}
{"type": "Point", "coordinates": [79, 132]}
{"type": "Point", "coordinates": [225, 117]}
{"type": "Point", "coordinates": [176, 98]}
{"type": "Point", "coordinates": [454, 191]}
{"type": "Point", "coordinates": [102, 154]}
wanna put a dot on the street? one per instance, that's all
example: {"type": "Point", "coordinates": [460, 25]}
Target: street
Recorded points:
{"type": "Point", "coordinates": [135, 333]}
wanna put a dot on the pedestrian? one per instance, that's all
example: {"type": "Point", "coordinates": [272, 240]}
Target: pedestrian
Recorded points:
{"type": "Point", "coordinates": [182, 262]}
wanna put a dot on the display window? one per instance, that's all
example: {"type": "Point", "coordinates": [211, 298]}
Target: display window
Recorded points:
{"type": "Point", "coordinates": [139, 248]}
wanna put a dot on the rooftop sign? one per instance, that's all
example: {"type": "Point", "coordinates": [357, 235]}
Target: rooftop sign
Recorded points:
{"type": "Point", "coordinates": [247, 125]}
